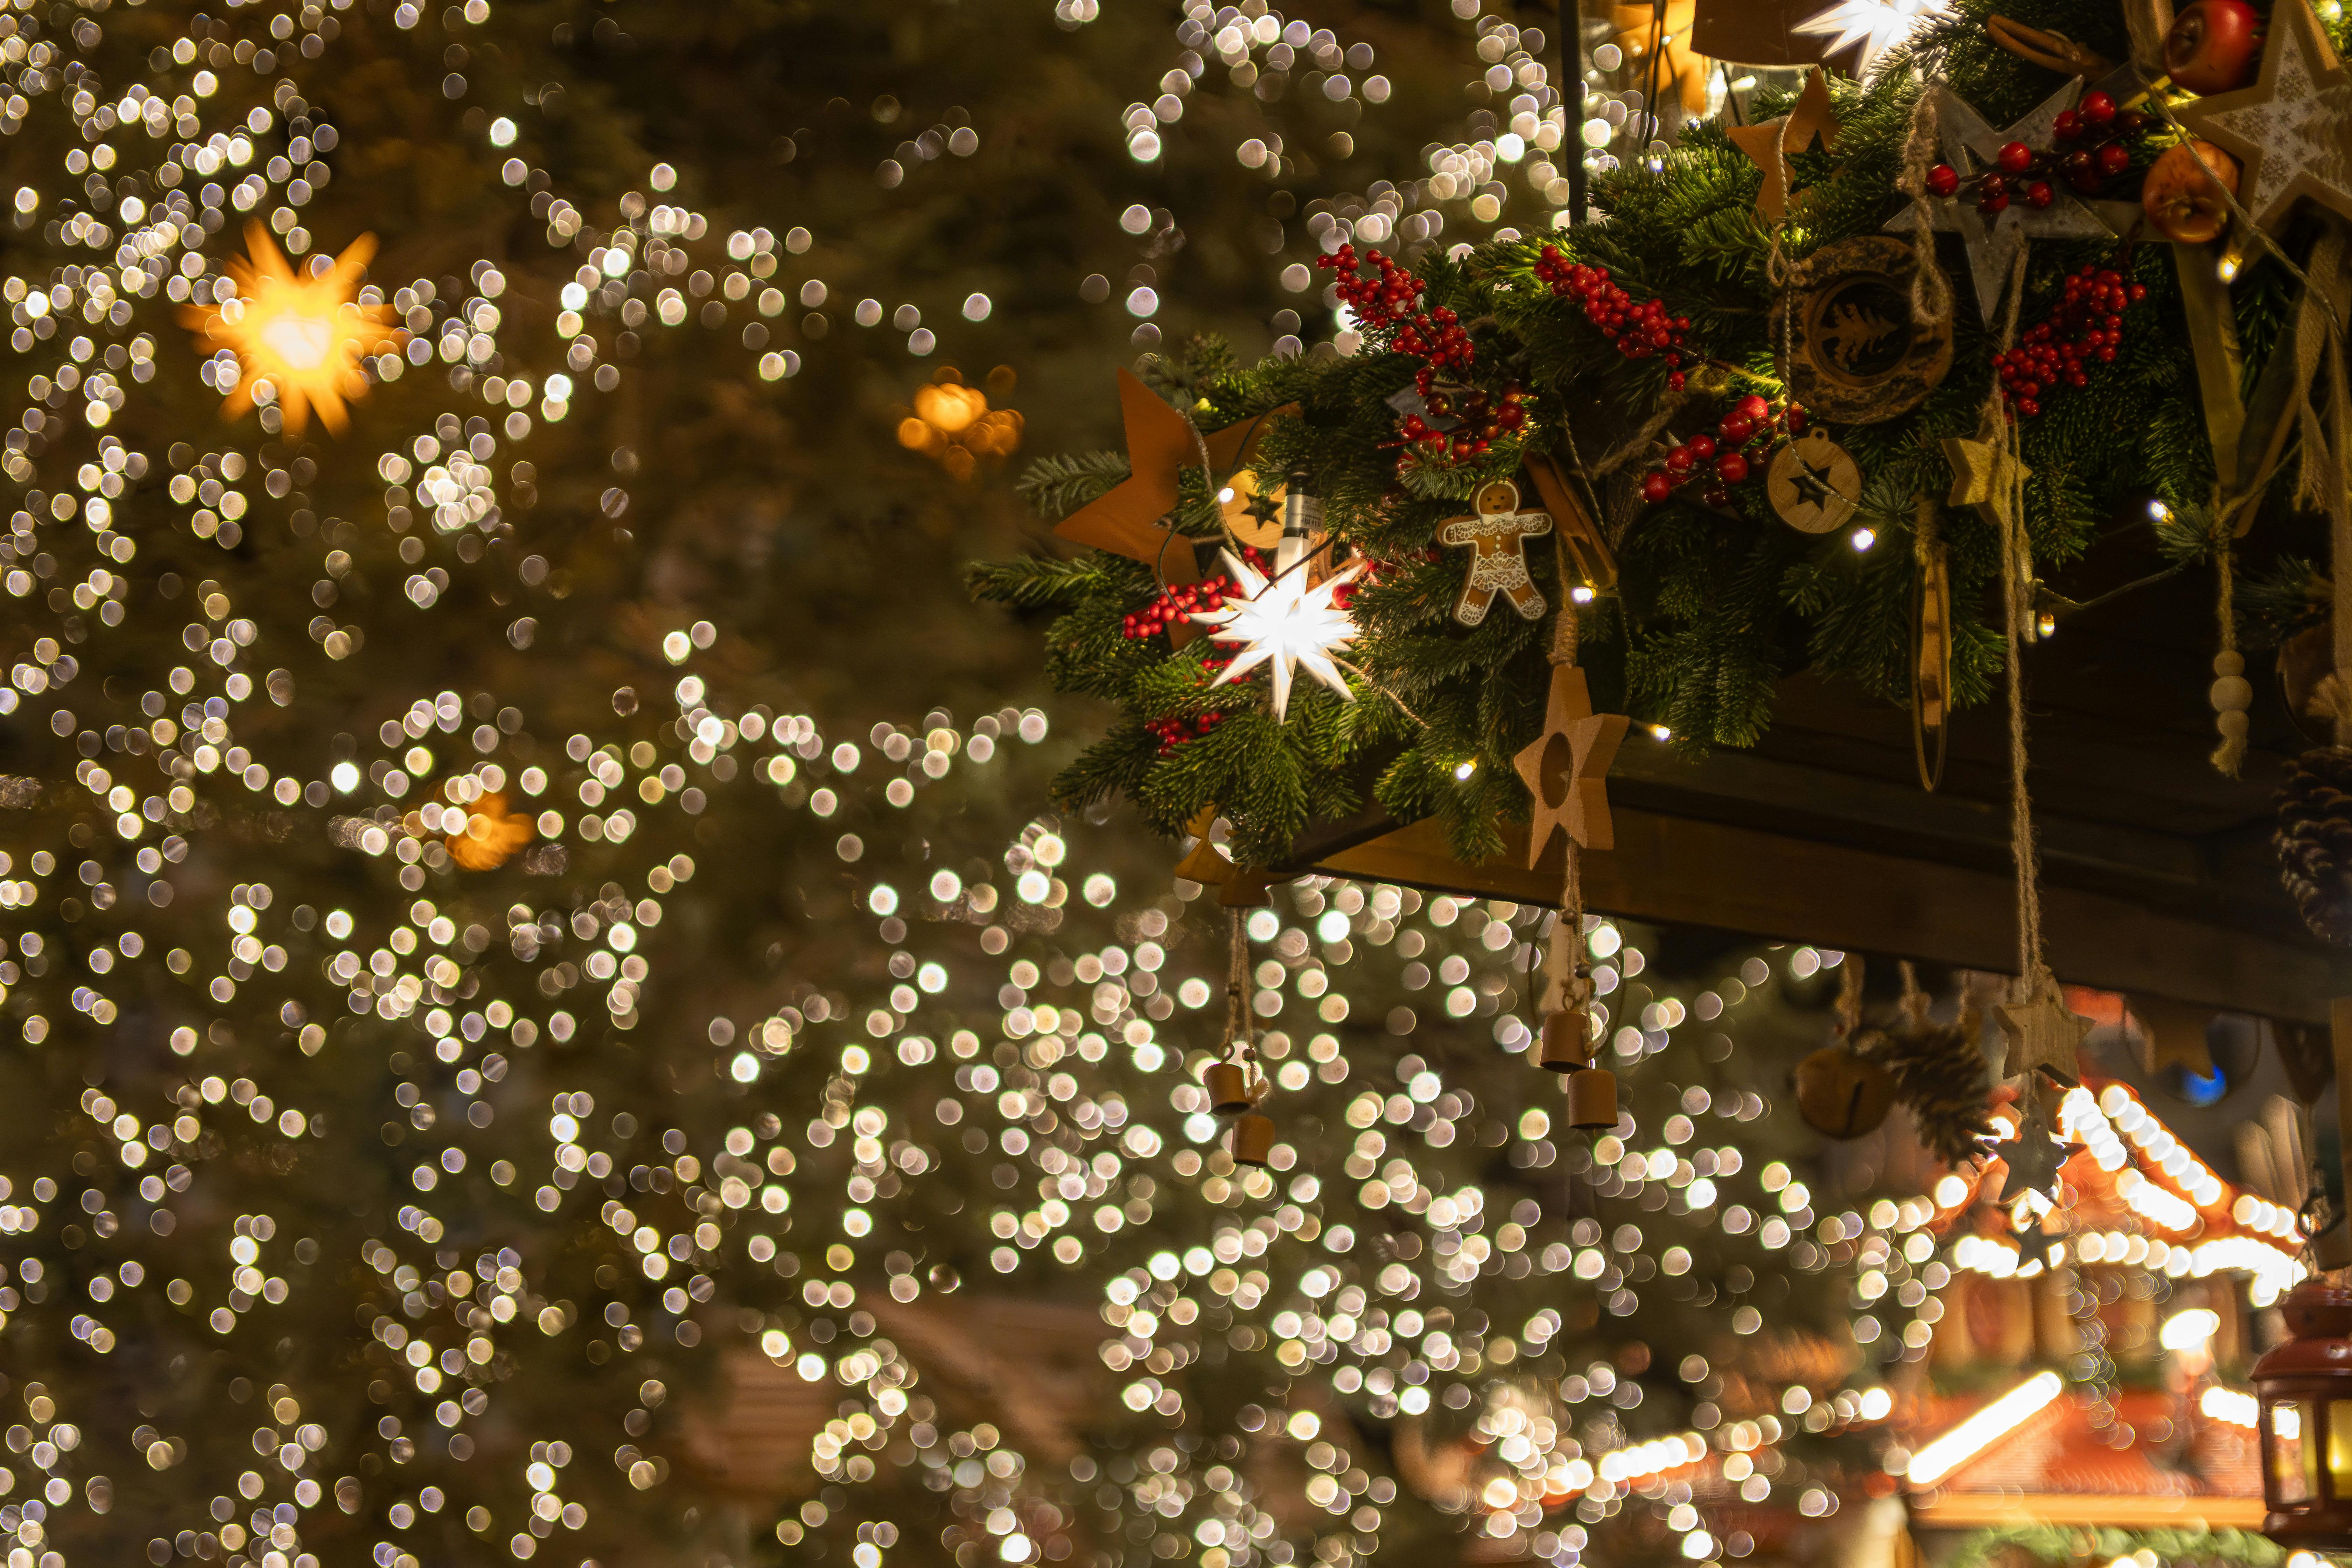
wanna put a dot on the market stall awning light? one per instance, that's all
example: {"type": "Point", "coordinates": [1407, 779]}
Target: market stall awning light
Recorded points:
{"type": "Point", "coordinates": [299, 337]}
{"type": "Point", "coordinates": [1980, 1431]}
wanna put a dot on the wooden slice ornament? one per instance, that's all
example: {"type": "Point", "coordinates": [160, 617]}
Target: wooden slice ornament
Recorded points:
{"type": "Point", "coordinates": [1497, 537]}
{"type": "Point", "coordinates": [1814, 486]}
{"type": "Point", "coordinates": [1856, 356]}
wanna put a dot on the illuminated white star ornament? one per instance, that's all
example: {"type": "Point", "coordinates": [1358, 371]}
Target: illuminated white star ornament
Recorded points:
{"type": "Point", "coordinates": [1283, 624]}
{"type": "Point", "coordinates": [1869, 27]}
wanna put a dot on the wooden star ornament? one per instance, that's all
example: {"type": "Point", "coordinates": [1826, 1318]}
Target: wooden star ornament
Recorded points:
{"type": "Point", "coordinates": [2293, 128]}
{"type": "Point", "coordinates": [1126, 518]}
{"type": "Point", "coordinates": [2031, 1158]}
{"type": "Point", "coordinates": [1985, 477]}
{"type": "Point", "coordinates": [1811, 120]}
{"type": "Point", "coordinates": [2041, 1033]}
{"type": "Point", "coordinates": [1969, 142]}
{"type": "Point", "coordinates": [1565, 768]}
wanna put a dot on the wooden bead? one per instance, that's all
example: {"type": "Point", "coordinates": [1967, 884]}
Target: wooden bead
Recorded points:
{"type": "Point", "coordinates": [2229, 664]}
{"type": "Point", "coordinates": [2234, 726]}
{"type": "Point", "coordinates": [1228, 1088]}
{"type": "Point", "coordinates": [1592, 1099]}
{"type": "Point", "coordinates": [1566, 1042]}
{"type": "Point", "coordinates": [2232, 694]}
{"type": "Point", "coordinates": [1251, 1140]}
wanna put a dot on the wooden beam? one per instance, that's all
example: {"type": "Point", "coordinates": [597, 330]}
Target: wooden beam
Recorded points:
{"type": "Point", "coordinates": [1686, 871]}
{"type": "Point", "coordinates": [1974, 1511]}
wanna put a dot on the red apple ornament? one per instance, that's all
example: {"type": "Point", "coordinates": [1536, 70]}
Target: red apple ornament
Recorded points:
{"type": "Point", "coordinates": [2214, 46]}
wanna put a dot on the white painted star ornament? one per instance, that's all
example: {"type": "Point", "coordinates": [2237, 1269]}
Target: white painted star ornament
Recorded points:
{"type": "Point", "coordinates": [1968, 143]}
{"type": "Point", "coordinates": [2293, 128]}
{"type": "Point", "coordinates": [1284, 623]}
{"type": "Point", "coordinates": [1869, 28]}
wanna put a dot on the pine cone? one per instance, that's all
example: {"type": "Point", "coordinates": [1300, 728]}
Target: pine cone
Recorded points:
{"type": "Point", "coordinates": [2314, 840]}
{"type": "Point", "coordinates": [1939, 1076]}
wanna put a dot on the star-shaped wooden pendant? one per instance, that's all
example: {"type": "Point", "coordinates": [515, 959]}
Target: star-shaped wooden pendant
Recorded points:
{"type": "Point", "coordinates": [1207, 862]}
{"type": "Point", "coordinates": [1969, 144]}
{"type": "Point", "coordinates": [1985, 477]}
{"type": "Point", "coordinates": [1565, 768]}
{"type": "Point", "coordinates": [2034, 1242]}
{"type": "Point", "coordinates": [2041, 1033]}
{"type": "Point", "coordinates": [1810, 119]}
{"type": "Point", "coordinates": [2032, 1157]}
{"type": "Point", "coordinates": [1126, 518]}
{"type": "Point", "coordinates": [2293, 128]}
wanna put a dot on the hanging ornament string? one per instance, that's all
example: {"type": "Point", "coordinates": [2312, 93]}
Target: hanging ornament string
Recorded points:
{"type": "Point", "coordinates": [1914, 1002]}
{"type": "Point", "coordinates": [1931, 296]}
{"type": "Point", "coordinates": [1240, 1046]}
{"type": "Point", "coordinates": [1565, 984]}
{"type": "Point", "coordinates": [1849, 1002]}
{"type": "Point", "coordinates": [1994, 426]}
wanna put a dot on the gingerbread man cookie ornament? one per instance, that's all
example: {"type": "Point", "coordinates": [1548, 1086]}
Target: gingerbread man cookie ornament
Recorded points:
{"type": "Point", "coordinates": [1497, 536]}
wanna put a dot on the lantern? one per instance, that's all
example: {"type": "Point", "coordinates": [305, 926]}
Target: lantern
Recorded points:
{"type": "Point", "coordinates": [2304, 1386]}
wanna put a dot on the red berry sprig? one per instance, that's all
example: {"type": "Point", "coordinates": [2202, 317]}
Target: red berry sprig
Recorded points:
{"type": "Point", "coordinates": [2095, 132]}
{"type": "Point", "coordinates": [1181, 604]}
{"type": "Point", "coordinates": [1639, 331]}
{"type": "Point", "coordinates": [2085, 328]}
{"type": "Point", "coordinates": [1736, 453]}
{"type": "Point", "coordinates": [1385, 306]}
{"type": "Point", "coordinates": [1481, 420]}
{"type": "Point", "coordinates": [1174, 733]}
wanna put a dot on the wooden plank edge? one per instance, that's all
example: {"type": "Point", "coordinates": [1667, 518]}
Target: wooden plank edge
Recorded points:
{"type": "Point", "coordinates": [1684, 871]}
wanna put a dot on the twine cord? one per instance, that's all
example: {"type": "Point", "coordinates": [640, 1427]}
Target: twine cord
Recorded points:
{"type": "Point", "coordinates": [1239, 1044]}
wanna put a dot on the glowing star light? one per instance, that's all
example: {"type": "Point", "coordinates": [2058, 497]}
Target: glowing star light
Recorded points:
{"type": "Point", "coordinates": [1869, 28]}
{"type": "Point", "coordinates": [301, 336]}
{"type": "Point", "coordinates": [1284, 623]}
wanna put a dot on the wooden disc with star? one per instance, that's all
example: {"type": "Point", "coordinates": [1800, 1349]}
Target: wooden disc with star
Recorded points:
{"type": "Point", "coordinates": [1857, 356]}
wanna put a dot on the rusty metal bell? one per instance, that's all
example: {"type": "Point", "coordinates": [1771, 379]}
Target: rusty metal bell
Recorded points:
{"type": "Point", "coordinates": [1592, 1099]}
{"type": "Point", "coordinates": [1228, 1086]}
{"type": "Point", "coordinates": [1567, 1041]}
{"type": "Point", "coordinates": [1252, 1139]}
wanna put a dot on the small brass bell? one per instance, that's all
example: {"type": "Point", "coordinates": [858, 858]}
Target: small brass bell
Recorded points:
{"type": "Point", "coordinates": [1592, 1099]}
{"type": "Point", "coordinates": [1252, 1139]}
{"type": "Point", "coordinates": [1228, 1086]}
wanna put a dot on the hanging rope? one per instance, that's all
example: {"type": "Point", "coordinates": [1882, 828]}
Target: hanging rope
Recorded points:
{"type": "Point", "coordinates": [1849, 1002]}
{"type": "Point", "coordinates": [1566, 986]}
{"type": "Point", "coordinates": [1239, 1043]}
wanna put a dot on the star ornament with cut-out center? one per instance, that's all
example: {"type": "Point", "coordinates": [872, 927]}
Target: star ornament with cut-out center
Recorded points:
{"type": "Point", "coordinates": [1966, 142]}
{"type": "Point", "coordinates": [2041, 1033]}
{"type": "Point", "coordinates": [1284, 623]}
{"type": "Point", "coordinates": [1565, 768]}
{"type": "Point", "coordinates": [2293, 128]}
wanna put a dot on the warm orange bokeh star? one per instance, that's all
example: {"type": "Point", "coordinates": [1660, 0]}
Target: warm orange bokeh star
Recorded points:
{"type": "Point", "coordinates": [303, 335]}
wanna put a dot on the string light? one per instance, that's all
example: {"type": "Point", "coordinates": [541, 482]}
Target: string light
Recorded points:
{"type": "Point", "coordinates": [1981, 1430]}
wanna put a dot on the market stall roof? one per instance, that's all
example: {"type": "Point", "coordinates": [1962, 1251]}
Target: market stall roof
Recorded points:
{"type": "Point", "coordinates": [2030, 1447]}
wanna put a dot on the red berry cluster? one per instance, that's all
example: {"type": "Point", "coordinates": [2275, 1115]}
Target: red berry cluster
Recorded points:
{"type": "Point", "coordinates": [1384, 307]}
{"type": "Point", "coordinates": [1174, 733]}
{"type": "Point", "coordinates": [1734, 454]}
{"type": "Point", "coordinates": [1482, 420]}
{"type": "Point", "coordinates": [2097, 132]}
{"type": "Point", "coordinates": [2085, 329]}
{"type": "Point", "coordinates": [1181, 604]}
{"type": "Point", "coordinates": [1639, 331]}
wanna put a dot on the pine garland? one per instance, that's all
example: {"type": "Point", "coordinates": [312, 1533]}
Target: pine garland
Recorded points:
{"type": "Point", "coordinates": [1712, 611]}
